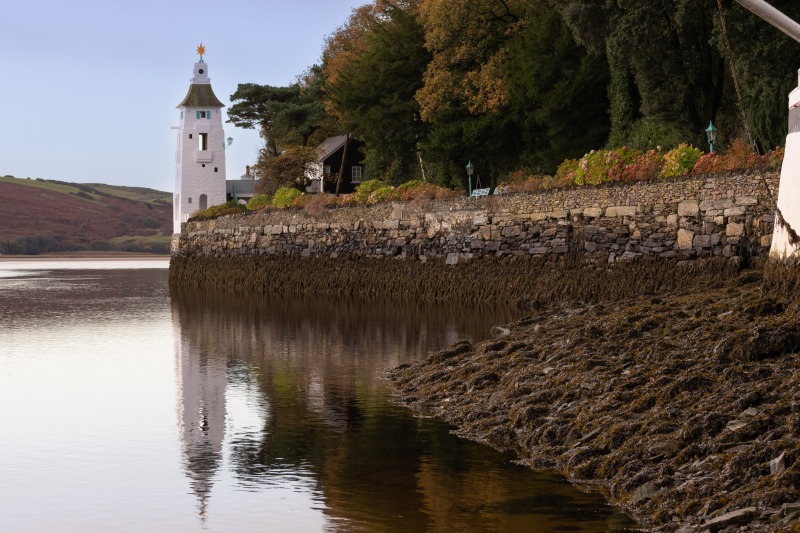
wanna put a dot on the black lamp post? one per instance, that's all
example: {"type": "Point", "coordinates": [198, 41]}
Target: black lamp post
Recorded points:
{"type": "Point", "coordinates": [470, 170]}
{"type": "Point", "coordinates": [711, 134]}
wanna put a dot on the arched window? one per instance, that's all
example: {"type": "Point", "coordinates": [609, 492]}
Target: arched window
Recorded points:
{"type": "Point", "coordinates": [203, 201]}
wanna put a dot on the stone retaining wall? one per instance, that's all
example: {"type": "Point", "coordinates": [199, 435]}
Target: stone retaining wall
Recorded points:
{"type": "Point", "coordinates": [694, 217]}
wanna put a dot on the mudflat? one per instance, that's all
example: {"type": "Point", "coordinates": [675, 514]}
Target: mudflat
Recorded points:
{"type": "Point", "coordinates": [83, 256]}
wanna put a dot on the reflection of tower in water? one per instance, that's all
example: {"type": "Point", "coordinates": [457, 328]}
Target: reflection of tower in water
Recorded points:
{"type": "Point", "coordinates": [201, 379]}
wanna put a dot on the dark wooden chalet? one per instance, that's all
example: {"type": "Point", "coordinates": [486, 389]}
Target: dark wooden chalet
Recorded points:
{"type": "Point", "coordinates": [322, 174]}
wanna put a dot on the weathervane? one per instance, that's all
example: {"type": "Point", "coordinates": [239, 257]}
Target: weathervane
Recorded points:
{"type": "Point", "coordinates": [201, 50]}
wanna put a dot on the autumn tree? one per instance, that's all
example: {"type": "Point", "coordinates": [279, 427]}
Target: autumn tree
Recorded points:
{"type": "Point", "coordinates": [467, 41]}
{"type": "Point", "coordinates": [518, 91]}
{"type": "Point", "coordinates": [286, 170]}
{"type": "Point", "coordinates": [372, 92]}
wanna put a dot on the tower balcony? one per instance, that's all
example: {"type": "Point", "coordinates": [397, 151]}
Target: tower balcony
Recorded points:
{"type": "Point", "coordinates": [205, 156]}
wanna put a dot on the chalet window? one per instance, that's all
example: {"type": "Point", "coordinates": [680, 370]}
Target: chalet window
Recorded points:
{"type": "Point", "coordinates": [203, 141]}
{"type": "Point", "coordinates": [356, 175]}
{"type": "Point", "coordinates": [326, 170]}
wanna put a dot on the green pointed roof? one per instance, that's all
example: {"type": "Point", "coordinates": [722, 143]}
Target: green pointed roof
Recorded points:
{"type": "Point", "coordinates": [200, 95]}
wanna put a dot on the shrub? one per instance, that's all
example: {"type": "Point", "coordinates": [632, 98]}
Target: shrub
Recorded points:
{"type": "Point", "coordinates": [284, 196]}
{"type": "Point", "coordinates": [565, 173]}
{"type": "Point", "coordinates": [710, 163]}
{"type": "Point", "coordinates": [739, 155]}
{"type": "Point", "coordinates": [365, 190]}
{"type": "Point", "coordinates": [409, 185]}
{"type": "Point", "coordinates": [228, 208]}
{"type": "Point", "coordinates": [383, 194]}
{"type": "Point", "coordinates": [530, 184]}
{"type": "Point", "coordinates": [646, 166]}
{"type": "Point", "coordinates": [604, 166]}
{"type": "Point", "coordinates": [680, 161]}
{"type": "Point", "coordinates": [649, 132]}
{"type": "Point", "coordinates": [419, 190]}
{"type": "Point", "coordinates": [773, 160]}
{"type": "Point", "coordinates": [314, 204]}
{"type": "Point", "coordinates": [258, 201]}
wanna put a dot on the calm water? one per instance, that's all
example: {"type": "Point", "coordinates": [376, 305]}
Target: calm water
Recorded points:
{"type": "Point", "coordinates": [124, 408]}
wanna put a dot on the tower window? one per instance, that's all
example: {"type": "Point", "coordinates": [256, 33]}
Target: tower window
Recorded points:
{"type": "Point", "coordinates": [190, 135]}
{"type": "Point", "coordinates": [181, 115]}
{"type": "Point", "coordinates": [202, 114]}
{"type": "Point", "coordinates": [190, 200]}
{"type": "Point", "coordinates": [203, 141]}
{"type": "Point", "coordinates": [215, 169]}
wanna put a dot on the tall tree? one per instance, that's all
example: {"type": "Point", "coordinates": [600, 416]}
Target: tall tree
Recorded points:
{"type": "Point", "coordinates": [466, 39]}
{"type": "Point", "coordinates": [556, 91]}
{"type": "Point", "coordinates": [257, 106]}
{"type": "Point", "coordinates": [373, 92]}
{"type": "Point", "coordinates": [283, 115]}
{"type": "Point", "coordinates": [766, 63]}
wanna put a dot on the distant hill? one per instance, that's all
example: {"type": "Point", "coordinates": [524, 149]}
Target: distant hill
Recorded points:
{"type": "Point", "coordinates": [38, 216]}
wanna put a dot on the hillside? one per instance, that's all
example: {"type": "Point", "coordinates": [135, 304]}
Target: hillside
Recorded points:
{"type": "Point", "coordinates": [38, 216]}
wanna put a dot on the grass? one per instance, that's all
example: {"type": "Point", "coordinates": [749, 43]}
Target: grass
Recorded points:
{"type": "Point", "coordinates": [90, 190]}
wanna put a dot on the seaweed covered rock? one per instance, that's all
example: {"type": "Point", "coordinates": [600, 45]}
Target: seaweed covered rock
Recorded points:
{"type": "Point", "coordinates": [684, 407]}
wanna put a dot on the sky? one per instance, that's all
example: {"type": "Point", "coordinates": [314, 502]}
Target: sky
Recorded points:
{"type": "Point", "coordinates": [89, 87]}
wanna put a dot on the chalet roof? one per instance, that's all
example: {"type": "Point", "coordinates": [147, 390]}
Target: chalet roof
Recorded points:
{"type": "Point", "coordinates": [329, 146]}
{"type": "Point", "coordinates": [200, 95]}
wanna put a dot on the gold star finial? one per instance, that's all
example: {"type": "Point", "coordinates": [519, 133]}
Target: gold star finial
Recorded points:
{"type": "Point", "coordinates": [201, 50]}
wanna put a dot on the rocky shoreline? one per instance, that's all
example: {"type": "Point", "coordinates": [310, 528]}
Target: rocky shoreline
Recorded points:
{"type": "Point", "coordinates": [683, 406]}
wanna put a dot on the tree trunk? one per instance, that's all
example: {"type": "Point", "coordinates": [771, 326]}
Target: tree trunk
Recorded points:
{"type": "Point", "coordinates": [421, 167]}
{"type": "Point", "coordinates": [341, 167]}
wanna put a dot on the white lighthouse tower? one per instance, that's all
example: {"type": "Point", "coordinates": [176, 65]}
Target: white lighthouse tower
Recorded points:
{"type": "Point", "coordinates": [200, 155]}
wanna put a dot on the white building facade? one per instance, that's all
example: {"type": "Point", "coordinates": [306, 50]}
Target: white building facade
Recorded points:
{"type": "Point", "coordinates": [200, 154]}
{"type": "Point", "coordinates": [784, 244]}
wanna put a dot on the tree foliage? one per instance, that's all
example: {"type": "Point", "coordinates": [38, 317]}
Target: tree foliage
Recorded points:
{"type": "Point", "coordinates": [428, 85]}
{"type": "Point", "coordinates": [286, 170]}
{"type": "Point", "coordinates": [373, 93]}
{"type": "Point", "coordinates": [283, 115]}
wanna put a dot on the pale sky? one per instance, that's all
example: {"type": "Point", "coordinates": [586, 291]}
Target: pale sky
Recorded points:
{"type": "Point", "coordinates": [89, 87]}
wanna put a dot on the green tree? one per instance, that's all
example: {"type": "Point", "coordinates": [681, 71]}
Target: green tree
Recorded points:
{"type": "Point", "coordinates": [257, 106]}
{"type": "Point", "coordinates": [766, 64]}
{"type": "Point", "coordinates": [669, 70]}
{"type": "Point", "coordinates": [283, 115]}
{"type": "Point", "coordinates": [556, 91]}
{"type": "Point", "coordinates": [373, 94]}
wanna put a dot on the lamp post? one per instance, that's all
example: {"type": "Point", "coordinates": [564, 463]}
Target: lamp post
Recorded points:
{"type": "Point", "coordinates": [711, 134]}
{"type": "Point", "coordinates": [470, 170]}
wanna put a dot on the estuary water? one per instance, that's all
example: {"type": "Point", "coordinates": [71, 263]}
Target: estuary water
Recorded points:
{"type": "Point", "coordinates": [129, 409]}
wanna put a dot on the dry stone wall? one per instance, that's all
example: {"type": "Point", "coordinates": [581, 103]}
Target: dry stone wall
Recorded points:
{"type": "Point", "coordinates": [694, 217]}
